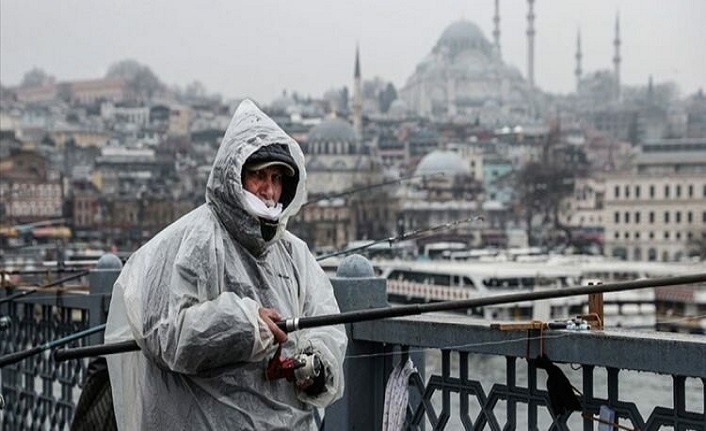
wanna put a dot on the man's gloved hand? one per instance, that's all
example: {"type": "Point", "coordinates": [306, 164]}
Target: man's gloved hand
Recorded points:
{"type": "Point", "coordinates": [310, 373]}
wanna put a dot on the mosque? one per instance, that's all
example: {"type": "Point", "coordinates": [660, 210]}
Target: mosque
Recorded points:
{"type": "Point", "coordinates": [463, 79]}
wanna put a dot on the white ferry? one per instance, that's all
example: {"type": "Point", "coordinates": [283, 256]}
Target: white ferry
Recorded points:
{"type": "Point", "coordinates": [431, 281]}
{"type": "Point", "coordinates": [674, 308]}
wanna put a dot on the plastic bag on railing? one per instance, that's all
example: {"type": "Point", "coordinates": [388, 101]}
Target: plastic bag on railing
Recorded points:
{"type": "Point", "coordinates": [397, 396]}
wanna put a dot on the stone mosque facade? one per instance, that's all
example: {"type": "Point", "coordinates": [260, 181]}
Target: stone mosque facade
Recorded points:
{"type": "Point", "coordinates": [337, 159]}
{"type": "Point", "coordinates": [465, 78]}
{"type": "Point", "coordinates": [338, 163]}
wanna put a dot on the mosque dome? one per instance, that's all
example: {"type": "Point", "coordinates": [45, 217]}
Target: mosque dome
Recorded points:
{"type": "Point", "coordinates": [398, 108]}
{"type": "Point", "coordinates": [448, 162]}
{"type": "Point", "coordinates": [462, 35]}
{"type": "Point", "coordinates": [461, 31]}
{"type": "Point", "coordinates": [332, 130]}
{"type": "Point", "coordinates": [283, 102]}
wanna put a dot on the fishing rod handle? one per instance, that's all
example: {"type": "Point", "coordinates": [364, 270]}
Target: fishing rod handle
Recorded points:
{"type": "Point", "coordinates": [12, 358]}
{"type": "Point", "coordinates": [61, 355]}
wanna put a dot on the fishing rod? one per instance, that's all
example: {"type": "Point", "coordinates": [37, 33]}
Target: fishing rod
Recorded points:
{"type": "Point", "coordinates": [37, 289]}
{"type": "Point", "coordinates": [295, 324]}
{"type": "Point", "coordinates": [12, 358]}
{"type": "Point", "coordinates": [368, 187]}
{"type": "Point", "coordinates": [407, 235]}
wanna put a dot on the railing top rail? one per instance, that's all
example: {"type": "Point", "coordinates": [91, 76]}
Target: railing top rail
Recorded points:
{"type": "Point", "coordinates": [659, 352]}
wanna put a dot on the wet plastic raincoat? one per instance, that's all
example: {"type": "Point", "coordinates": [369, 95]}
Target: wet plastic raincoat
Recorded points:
{"type": "Point", "coordinates": [190, 298]}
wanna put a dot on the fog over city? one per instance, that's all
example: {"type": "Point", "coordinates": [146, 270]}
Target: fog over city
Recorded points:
{"type": "Point", "coordinates": [259, 49]}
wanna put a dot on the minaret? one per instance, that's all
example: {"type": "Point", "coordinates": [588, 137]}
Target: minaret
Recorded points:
{"type": "Point", "coordinates": [357, 97]}
{"type": "Point", "coordinates": [496, 28]}
{"type": "Point", "coordinates": [579, 56]}
{"type": "Point", "coordinates": [616, 57]}
{"type": "Point", "coordinates": [530, 43]}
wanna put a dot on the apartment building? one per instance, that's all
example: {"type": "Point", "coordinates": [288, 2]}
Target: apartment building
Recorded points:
{"type": "Point", "coordinates": [656, 211]}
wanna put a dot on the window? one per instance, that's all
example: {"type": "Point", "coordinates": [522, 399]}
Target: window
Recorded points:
{"type": "Point", "coordinates": [617, 192]}
{"type": "Point", "coordinates": [637, 192]}
{"type": "Point", "coordinates": [691, 191]}
{"type": "Point", "coordinates": [689, 217]}
{"type": "Point", "coordinates": [678, 191]}
{"type": "Point", "coordinates": [666, 191]}
{"type": "Point", "coordinates": [627, 235]}
{"type": "Point", "coordinates": [652, 191]}
{"type": "Point", "coordinates": [666, 234]}
{"type": "Point", "coordinates": [652, 217]}
{"type": "Point", "coordinates": [627, 217]}
{"type": "Point", "coordinates": [666, 216]}
{"type": "Point", "coordinates": [652, 235]}
{"type": "Point", "coordinates": [637, 217]}
{"type": "Point", "coordinates": [677, 216]}
{"type": "Point", "coordinates": [616, 235]}
{"type": "Point", "coordinates": [627, 191]}
{"type": "Point", "coordinates": [616, 217]}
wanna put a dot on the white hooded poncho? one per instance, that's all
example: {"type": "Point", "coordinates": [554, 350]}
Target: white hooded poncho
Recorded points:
{"type": "Point", "coordinates": [190, 296]}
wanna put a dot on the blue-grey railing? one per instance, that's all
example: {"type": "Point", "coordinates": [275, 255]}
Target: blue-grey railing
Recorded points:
{"type": "Point", "coordinates": [37, 393]}
{"type": "Point", "coordinates": [448, 392]}
{"type": "Point", "coordinates": [452, 390]}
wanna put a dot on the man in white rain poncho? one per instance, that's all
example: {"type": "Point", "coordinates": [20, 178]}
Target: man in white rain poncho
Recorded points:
{"type": "Point", "coordinates": [202, 296]}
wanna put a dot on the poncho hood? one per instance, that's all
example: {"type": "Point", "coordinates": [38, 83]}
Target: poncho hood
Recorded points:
{"type": "Point", "coordinates": [249, 130]}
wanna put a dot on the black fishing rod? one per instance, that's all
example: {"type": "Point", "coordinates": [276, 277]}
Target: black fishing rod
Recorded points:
{"type": "Point", "coordinates": [295, 324]}
{"type": "Point", "coordinates": [46, 286]}
{"type": "Point", "coordinates": [368, 187]}
{"type": "Point", "coordinates": [12, 358]}
{"type": "Point", "coordinates": [418, 233]}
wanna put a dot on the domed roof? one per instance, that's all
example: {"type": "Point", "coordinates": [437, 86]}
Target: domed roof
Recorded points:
{"type": "Point", "coordinates": [462, 34]}
{"type": "Point", "coordinates": [283, 102]}
{"type": "Point", "coordinates": [333, 130]}
{"type": "Point", "coordinates": [448, 162]}
{"type": "Point", "coordinates": [398, 108]}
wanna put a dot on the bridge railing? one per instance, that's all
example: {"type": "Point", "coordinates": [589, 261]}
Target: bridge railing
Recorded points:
{"type": "Point", "coordinates": [38, 393]}
{"type": "Point", "coordinates": [470, 375]}
{"type": "Point", "coordinates": [454, 390]}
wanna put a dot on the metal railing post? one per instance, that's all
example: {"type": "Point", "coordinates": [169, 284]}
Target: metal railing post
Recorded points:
{"type": "Point", "coordinates": [356, 288]}
{"type": "Point", "coordinates": [100, 282]}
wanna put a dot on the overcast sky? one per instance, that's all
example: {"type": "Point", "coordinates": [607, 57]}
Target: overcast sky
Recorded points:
{"type": "Point", "coordinates": [260, 48]}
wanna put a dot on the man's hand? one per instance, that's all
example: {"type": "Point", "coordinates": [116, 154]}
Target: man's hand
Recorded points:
{"type": "Point", "coordinates": [271, 317]}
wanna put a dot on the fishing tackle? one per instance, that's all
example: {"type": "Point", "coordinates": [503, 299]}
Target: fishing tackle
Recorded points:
{"type": "Point", "coordinates": [295, 324]}
{"type": "Point", "coordinates": [407, 235]}
{"type": "Point", "coordinates": [12, 358]}
{"type": "Point", "coordinates": [52, 284]}
{"type": "Point", "coordinates": [368, 187]}
{"type": "Point", "coordinates": [303, 368]}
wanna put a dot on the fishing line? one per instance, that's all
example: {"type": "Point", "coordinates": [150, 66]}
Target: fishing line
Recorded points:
{"type": "Point", "coordinates": [492, 343]}
{"type": "Point", "coordinates": [368, 187]}
{"type": "Point", "coordinates": [461, 346]}
{"type": "Point", "coordinates": [415, 234]}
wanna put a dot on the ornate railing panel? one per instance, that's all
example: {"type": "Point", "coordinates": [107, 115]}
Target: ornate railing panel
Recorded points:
{"type": "Point", "coordinates": [451, 398]}
{"type": "Point", "coordinates": [38, 393]}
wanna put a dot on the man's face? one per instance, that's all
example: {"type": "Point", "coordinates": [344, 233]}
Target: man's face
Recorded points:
{"type": "Point", "coordinates": [266, 184]}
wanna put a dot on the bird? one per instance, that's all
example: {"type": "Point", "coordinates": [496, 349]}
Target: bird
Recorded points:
{"type": "Point", "coordinates": [562, 395]}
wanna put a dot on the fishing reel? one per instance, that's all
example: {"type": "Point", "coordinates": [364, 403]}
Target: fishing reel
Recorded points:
{"type": "Point", "coordinates": [304, 369]}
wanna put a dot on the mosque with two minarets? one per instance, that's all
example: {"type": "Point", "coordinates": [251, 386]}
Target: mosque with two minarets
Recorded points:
{"type": "Point", "coordinates": [463, 80]}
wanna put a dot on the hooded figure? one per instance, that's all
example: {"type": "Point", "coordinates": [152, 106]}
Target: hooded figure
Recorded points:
{"type": "Point", "coordinates": [190, 298]}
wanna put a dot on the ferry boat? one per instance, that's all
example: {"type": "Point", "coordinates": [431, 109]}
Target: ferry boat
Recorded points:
{"type": "Point", "coordinates": [431, 281]}
{"type": "Point", "coordinates": [677, 309]}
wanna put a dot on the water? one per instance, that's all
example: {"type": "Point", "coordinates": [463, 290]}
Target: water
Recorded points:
{"type": "Point", "coordinates": [645, 390]}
